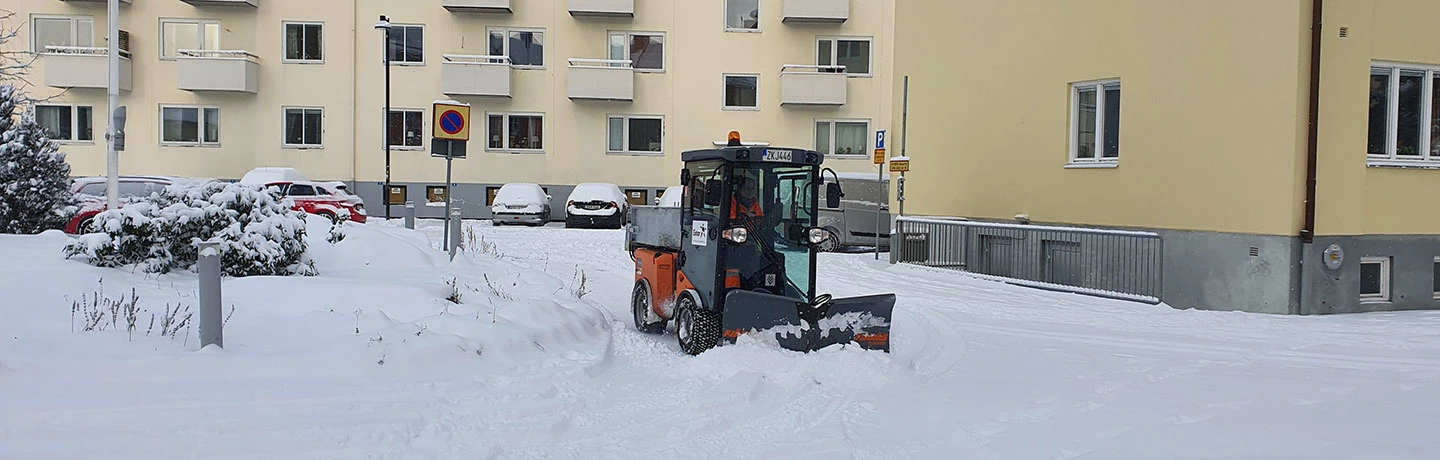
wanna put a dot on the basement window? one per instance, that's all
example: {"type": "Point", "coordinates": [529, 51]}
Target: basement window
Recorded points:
{"type": "Point", "coordinates": [1436, 279]}
{"type": "Point", "coordinates": [1374, 279]}
{"type": "Point", "coordinates": [1403, 115]}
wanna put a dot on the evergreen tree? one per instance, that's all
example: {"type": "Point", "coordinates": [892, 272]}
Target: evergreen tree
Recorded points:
{"type": "Point", "coordinates": [34, 177]}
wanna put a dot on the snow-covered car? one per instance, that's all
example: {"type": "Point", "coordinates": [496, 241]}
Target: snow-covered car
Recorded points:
{"type": "Point", "coordinates": [91, 197]}
{"type": "Point", "coordinates": [671, 197]}
{"type": "Point", "coordinates": [521, 203]}
{"type": "Point", "coordinates": [322, 198]}
{"type": "Point", "coordinates": [594, 204]}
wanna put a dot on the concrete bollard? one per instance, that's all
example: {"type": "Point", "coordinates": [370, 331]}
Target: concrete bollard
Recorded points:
{"type": "Point", "coordinates": [454, 232]}
{"type": "Point", "coordinates": [410, 215]}
{"type": "Point", "coordinates": [211, 319]}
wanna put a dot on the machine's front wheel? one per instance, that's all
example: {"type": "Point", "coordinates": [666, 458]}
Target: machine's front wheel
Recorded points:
{"type": "Point", "coordinates": [640, 305]}
{"type": "Point", "coordinates": [696, 329]}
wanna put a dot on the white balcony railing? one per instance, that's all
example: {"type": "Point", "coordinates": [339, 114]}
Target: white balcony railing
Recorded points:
{"type": "Point", "coordinates": [601, 79]}
{"type": "Point", "coordinates": [813, 84]}
{"type": "Point", "coordinates": [84, 67]}
{"type": "Point", "coordinates": [218, 70]}
{"type": "Point", "coordinates": [475, 75]}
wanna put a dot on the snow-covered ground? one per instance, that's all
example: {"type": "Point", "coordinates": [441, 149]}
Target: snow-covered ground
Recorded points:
{"type": "Point", "coordinates": [530, 365]}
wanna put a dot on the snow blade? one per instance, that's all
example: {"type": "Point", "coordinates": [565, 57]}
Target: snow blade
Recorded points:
{"type": "Point", "coordinates": [864, 321]}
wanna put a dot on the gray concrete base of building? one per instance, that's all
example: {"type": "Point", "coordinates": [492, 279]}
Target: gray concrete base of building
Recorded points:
{"type": "Point", "coordinates": [1199, 270]}
{"type": "Point", "coordinates": [473, 199]}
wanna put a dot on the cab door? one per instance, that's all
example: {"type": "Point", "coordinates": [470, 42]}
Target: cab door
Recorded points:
{"type": "Point", "coordinates": [700, 223]}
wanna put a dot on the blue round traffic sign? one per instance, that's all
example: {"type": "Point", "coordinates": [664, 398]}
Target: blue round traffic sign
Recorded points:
{"type": "Point", "coordinates": [451, 122]}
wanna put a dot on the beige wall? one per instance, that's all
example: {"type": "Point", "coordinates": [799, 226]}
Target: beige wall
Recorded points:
{"type": "Point", "coordinates": [350, 89]}
{"type": "Point", "coordinates": [1356, 199]}
{"type": "Point", "coordinates": [1212, 114]}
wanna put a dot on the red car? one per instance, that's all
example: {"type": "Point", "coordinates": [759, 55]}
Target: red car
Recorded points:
{"type": "Point", "coordinates": [322, 198]}
{"type": "Point", "coordinates": [90, 192]}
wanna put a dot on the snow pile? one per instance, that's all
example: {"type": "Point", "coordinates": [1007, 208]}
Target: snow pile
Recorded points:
{"type": "Point", "coordinates": [258, 232]}
{"type": "Point", "coordinates": [34, 177]}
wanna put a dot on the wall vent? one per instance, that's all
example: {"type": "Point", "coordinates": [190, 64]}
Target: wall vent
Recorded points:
{"type": "Point", "coordinates": [1254, 251]}
{"type": "Point", "coordinates": [1344, 32]}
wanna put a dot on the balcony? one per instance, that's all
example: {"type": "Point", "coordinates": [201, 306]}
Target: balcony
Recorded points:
{"type": "Point", "coordinates": [218, 70]}
{"type": "Point", "coordinates": [93, 1]}
{"type": "Point", "coordinates": [812, 84]}
{"type": "Point", "coordinates": [601, 80]}
{"type": "Point", "coordinates": [464, 75]}
{"type": "Point", "coordinates": [478, 6]}
{"type": "Point", "coordinates": [816, 11]}
{"type": "Point", "coordinates": [603, 8]}
{"type": "Point", "coordinates": [249, 3]}
{"type": "Point", "coordinates": [83, 67]}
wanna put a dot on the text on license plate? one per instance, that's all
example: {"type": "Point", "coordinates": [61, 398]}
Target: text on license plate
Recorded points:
{"type": "Point", "coordinates": [776, 155]}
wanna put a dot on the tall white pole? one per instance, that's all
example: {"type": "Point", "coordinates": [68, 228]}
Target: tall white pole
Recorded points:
{"type": "Point", "coordinates": [112, 157]}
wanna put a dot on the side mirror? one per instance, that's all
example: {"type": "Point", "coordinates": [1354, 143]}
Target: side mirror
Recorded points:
{"type": "Point", "coordinates": [832, 195]}
{"type": "Point", "coordinates": [714, 192]}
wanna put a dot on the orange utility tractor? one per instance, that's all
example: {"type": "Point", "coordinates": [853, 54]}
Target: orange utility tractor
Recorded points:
{"type": "Point", "coordinates": [738, 256]}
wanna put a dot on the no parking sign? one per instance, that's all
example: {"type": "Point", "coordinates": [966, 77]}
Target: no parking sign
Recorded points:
{"type": "Point", "coordinates": [452, 121]}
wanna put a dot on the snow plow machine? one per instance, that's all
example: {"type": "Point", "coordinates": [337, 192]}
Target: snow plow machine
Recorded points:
{"type": "Point", "coordinates": [738, 256]}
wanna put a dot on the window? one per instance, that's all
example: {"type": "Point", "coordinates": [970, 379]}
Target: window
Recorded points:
{"type": "Point", "coordinates": [304, 127]}
{"type": "Point", "coordinates": [742, 15]}
{"type": "Point", "coordinates": [853, 53]}
{"type": "Point", "coordinates": [189, 125]}
{"type": "Point", "coordinates": [188, 34]}
{"type": "Point", "coordinates": [66, 123]}
{"type": "Point", "coordinates": [526, 48]}
{"type": "Point", "coordinates": [742, 92]}
{"type": "Point", "coordinates": [1375, 279]}
{"type": "Point", "coordinates": [303, 43]}
{"type": "Point", "coordinates": [490, 193]}
{"type": "Point", "coordinates": [1095, 115]}
{"type": "Point", "coordinates": [406, 129]}
{"type": "Point", "coordinates": [407, 44]}
{"type": "Point", "coordinates": [513, 131]}
{"type": "Point", "coordinates": [435, 194]}
{"type": "Point", "coordinates": [1404, 122]}
{"type": "Point", "coordinates": [1436, 280]}
{"type": "Point", "coordinates": [636, 134]}
{"type": "Point", "coordinates": [61, 31]}
{"type": "Point", "coordinates": [398, 195]}
{"type": "Point", "coordinates": [836, 137]}
{"type": "Point", "coordinates": [636, 197]}
{"type": "Point", "coordinates": [646, 51]}
{"type": "Point", "coordinates": [300, 190]}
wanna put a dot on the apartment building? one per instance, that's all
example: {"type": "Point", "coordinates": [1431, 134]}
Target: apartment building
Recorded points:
{"type": "Point", "coordinates": [562, 92]}
{"type": "Point", "coordinates": [1286, 159]}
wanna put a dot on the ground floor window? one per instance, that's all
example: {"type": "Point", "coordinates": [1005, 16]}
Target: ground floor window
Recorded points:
{"type": "Point", "coordinates": [406, 128]}
{"type": "Point", "coordinates": [303, 127]}
{"type": "Point", "coordinates": [842, 137]}
{"type": "Point", "coordinates": [66, 123]}
{"type": "Point", "coordinates": [189, 125]}
{"type": "Point", "coordinates": [515, 132]}
{"type": "Point", "coordinates": [1404, 114]}
{"type": "Point", "coordinates": [635, 134]}
{"type": "Point", "coordinates": [1375, 279]}
{"type": "Point", "coordinates": [1095, 122]}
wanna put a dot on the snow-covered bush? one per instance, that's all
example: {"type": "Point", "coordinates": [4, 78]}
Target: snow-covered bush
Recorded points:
{"type": "Point", "coordinates": [337, 226]}
{"type": "Point", "coordinates": [259, 233]}
{"type": "Point", "coordinates": [34, 177]}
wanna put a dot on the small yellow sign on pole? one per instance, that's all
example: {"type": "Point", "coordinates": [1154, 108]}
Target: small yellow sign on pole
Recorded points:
{"type": "Point", "coordinates": [900, 164]}
{"type": "Point", "coordinates": [879, 156]}
{"type": "Point", "coordinates": [452, 121]}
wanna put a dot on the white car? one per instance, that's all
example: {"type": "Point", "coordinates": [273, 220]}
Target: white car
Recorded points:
{"type": "Point", "coordinates": [521, 203]}
{"type": "Point", "coordinates": [594, 204]}
{"type": "Point", "coordinates": [671, 197]}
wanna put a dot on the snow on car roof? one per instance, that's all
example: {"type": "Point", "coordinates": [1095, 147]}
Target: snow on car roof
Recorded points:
{"type": "Point", "coordinates": [266, 175]}
{"type": "Point", "coordinates": [596, 191]}
{"type": "Point", "coordinates": [520, 193]}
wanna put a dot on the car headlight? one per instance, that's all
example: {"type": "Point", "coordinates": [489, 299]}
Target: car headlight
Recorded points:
{"type": "Point", "coordinates": [817, 235]}
{"type": "Point", "coordinates": [737, 234]}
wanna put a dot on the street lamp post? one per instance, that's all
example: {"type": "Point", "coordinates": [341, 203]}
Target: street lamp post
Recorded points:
{"type": "Point", "coordinates": [384, 25]}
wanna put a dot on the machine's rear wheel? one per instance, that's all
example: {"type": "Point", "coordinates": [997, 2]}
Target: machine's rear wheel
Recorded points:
{"type": "Point", "coordinates": [696, 329]}
{"type": "Point", "coordinates": [640, 304]}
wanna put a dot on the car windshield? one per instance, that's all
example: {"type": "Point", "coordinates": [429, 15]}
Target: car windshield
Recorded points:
{"type": "Point", "coordinates": [519, 194]}
{"type": "Point", "coordinates": [784, 197]}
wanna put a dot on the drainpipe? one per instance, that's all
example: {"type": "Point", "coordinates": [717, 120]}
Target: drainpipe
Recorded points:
{"type": "Point", "coordinates": [1307, 234]}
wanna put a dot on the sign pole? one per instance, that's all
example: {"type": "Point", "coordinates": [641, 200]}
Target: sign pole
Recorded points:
{"type": "Point", "coordinates": [452, 132]}
{"type": "Point", "coordinates": [112, 92]}
{"type": "Point", "coordinates": [879, 181]}
{"type": "Point", "coordinates": [449, 162]}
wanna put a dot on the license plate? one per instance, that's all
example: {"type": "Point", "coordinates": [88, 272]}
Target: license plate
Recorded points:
{"type": "Point", "coordinates": [592, 206]}
{"type": "Point", "coordinates": [776, 155]}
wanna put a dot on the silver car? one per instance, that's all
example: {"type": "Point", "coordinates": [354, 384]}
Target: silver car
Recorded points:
{"type": "Point", "coordinates": [521, 203]}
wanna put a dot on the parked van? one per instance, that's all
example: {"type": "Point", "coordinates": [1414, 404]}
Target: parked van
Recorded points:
{"type": "Point", "coordinates": [854, 222]}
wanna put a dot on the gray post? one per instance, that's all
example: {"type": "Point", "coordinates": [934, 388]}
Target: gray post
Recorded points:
{"type": "Point", "coordinates": [449, 161]}
{"type": "Point", "coordinates": [454, 232]}
{"type": "Point", "coordinates": [410, 215]}
{"type": "Point", "coordinates": [211, 321]}
{"type": "Point", "coordinates": [112, 91]}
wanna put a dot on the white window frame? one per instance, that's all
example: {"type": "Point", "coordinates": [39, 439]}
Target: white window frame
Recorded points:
{"type": "Point", "coordinates": [1099, 161]}
{"type": "Point", "coordinates": [505, 136]}
{"type": "Point", "coordinates": [200, 23]}
{"type": "Point", "coordinates": [387, 129]}
{"type": "Point", "coordinates": [835, 52]}
{"type": "Point", "coordinates": [1392, 126]}
{"type": "Point", "coordinates": [865, 151]}
{"type": "Point", "coordinates": [1384, 295]}
{"type": "Point", "coordinates": [74, 122]}
{"type": "Point", "coordinates": [625, 139]}
{"type": "Point", "coordinates": [544, 37]}
{"type": "Point", "coordinates": [75, 21]}
{"type": "Point", "coordinates": [285, 52]}
{"type": "Point", "coordinates": [424, 37]}
{"type": "Point", "coordinates": [285, 128]}
{"type": "Point", "coordinates": [725, 77]}
{"type": "Point", "coordinates": [665, 54]}
{"type": "Point", "coordinates": [759, 18]}
{"type": "Point", "coordinates": [200, 134]}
